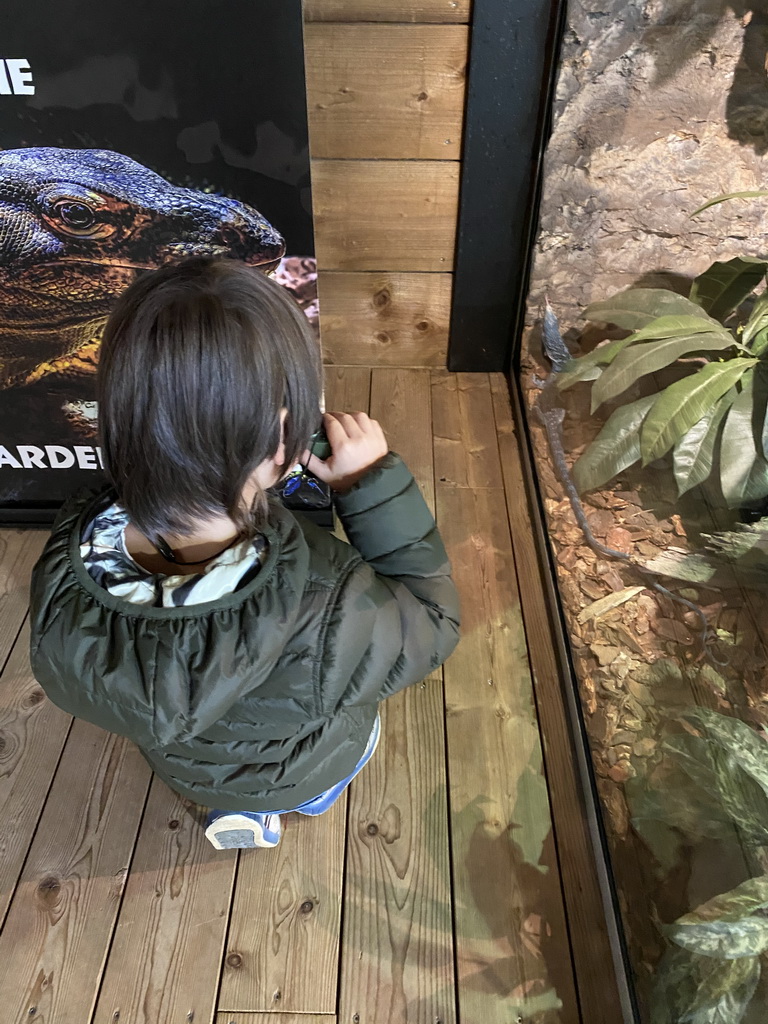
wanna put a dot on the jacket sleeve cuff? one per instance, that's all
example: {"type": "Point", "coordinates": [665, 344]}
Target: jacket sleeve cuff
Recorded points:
{"type": "Point", "coordinates": [388, 479]}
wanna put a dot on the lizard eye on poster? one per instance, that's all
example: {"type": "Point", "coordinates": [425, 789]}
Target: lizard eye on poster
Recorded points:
{"type": "Point", "coordinates": [131, 134]}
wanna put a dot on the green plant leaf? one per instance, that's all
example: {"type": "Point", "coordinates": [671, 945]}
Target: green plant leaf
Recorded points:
{"type": "Point", "coordinates": [729, 195]}
{"type": "Point", "coordinates": [729, 761]}
{"type": "Point", "coordinates": [758, 319]}
{"type": "Point", "coordinates": [684, 403]}
{"type": "Point", "coordinates": [637, 361]}
{"type": "Point", "coordinates": [760, 342]}
{"type": "Point", "coordinates": [740, 902]}
{"type": "Point", "coordinates": [737, 448]}
{"type": "Point", "coordinates": [635, 308]}
{"type": "Point", "coordinates": [588, 367]}
{"type": "Point", "coordinates": [681, 804]}
{"type": "Point", "coordinates": [740, 743]}
{"type": "Point", "coordinates": [743, 469]}
{"type": "Point", "coordinates": [742, 799]}
{"type": "Point", "coordinates": [615, 447]}
{"type": "Point", "coordinates": [675, 327]}
{"type": "Point", "coordinates": [726, 940]}
{"type": "Point", "coordinates": [691, 989]}
{"type": "Point", "coordinates": [693, 454]}
{"type": "Point", "coordinates": [724, 286]}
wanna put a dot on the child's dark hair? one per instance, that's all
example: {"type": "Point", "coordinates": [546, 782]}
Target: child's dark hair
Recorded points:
{"type": "Point", "coordinates": [196, 362]}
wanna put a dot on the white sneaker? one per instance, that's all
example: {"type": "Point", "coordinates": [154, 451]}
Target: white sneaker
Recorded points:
{"type": "Point", "coordinates": [243, 830]}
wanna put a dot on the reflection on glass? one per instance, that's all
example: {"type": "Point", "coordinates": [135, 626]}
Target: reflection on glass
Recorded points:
{"type": "Point", "coordinates": [651, 435]}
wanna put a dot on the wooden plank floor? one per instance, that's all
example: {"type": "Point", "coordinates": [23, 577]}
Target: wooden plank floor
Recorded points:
{"type": "Point", "coordinates": [453, 883]}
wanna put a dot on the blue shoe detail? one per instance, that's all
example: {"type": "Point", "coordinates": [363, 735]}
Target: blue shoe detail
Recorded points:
{"type": "Point", "coordinates": [320, 804]}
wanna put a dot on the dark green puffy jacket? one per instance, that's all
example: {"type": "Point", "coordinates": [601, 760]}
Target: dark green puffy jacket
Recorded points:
{"type": "Point", "coordinates": [266, 697]}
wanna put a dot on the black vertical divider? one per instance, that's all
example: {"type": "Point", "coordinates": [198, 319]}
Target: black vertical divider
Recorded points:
{"type": "Point", "coordinates": [513, 58]}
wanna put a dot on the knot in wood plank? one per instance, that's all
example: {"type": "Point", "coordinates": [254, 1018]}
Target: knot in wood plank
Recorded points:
{"type": "Point", "coordinates": [234, 960]}
{"type": "Point", "coordinates": [48, 889]}
{"type": "Point", "coordinates": [382, 297]}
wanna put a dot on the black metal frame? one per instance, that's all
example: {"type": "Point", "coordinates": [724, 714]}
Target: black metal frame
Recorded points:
{"type": "Point", "coordinates": [513, 59]}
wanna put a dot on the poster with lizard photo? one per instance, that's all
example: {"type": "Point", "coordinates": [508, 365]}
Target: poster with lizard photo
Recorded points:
{"type": "Point", "coordinates": [131, 134]}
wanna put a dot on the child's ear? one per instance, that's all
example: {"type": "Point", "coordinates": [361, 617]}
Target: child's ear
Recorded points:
{"type": "Point", "coordinates": [279, 458]}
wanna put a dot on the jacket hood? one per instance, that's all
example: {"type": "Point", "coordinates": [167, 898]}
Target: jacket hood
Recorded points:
{"type": "Point", "coordinates": [164, 674]}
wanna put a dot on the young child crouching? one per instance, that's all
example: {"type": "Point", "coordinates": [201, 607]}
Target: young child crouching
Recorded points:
{"type": "Point", "coordinates": [244, 650]}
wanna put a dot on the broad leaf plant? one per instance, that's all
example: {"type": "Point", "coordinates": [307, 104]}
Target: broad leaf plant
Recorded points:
{"type": "Point", "coordinates": [715, 418]}
{"type": "Point", "coordinates": [711, 969]}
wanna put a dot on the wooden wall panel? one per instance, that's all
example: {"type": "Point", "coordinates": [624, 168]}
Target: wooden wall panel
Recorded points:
{"type": "Point", "coordinates": [385, 214]}
{"type": "Point", "coordinates": [384, 319]}
{"type": "Point", "coordinates": [386, 114]}
{"type": "Point", "coordinates": [386, 91]}
{"type": "Point", "coordinates": [456, 11]}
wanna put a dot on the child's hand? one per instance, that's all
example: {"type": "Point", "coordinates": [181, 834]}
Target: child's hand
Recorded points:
{"type": "Point", "coordinates": [357, 444]}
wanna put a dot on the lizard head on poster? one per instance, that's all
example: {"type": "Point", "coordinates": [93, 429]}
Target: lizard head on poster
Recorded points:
{"type": "Point", "coordinates": [78, 225]}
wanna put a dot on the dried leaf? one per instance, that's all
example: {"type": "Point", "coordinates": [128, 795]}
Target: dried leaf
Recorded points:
{"type": "Point", "coordinates": [591, 589]}
{"type": "Point", "coordinates": [607, 603]}
{"type": "Point", "coordinates": [619, 539]}
{"type": "Point", "coordinates": [671, 629]}
{"type": "Point", "coordinates": [604, 654]}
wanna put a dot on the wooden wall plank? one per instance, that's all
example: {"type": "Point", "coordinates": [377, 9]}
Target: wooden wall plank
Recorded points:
{"type": "Point", "coordinates": [33, 733]}
{"type": "Point", "coordinates": [62, 914]}
{"type": "Point", "coordinates": [401, 401]}
{"type": "Point", "coordinates": [512, 943]}
{"type": "Point", "coordinates": [395, 10]}
{"type": "Point", "coordinates": [386, 91]}
{"type": "Point", "coordinates": [19, 550]}
{"type": "Point", "coordinates": [385, 319]}
{"type": "Point", "coordinates": [347, 388]}
{"type": "Point", "coordinates": [165, 960]}
{"type": "Point", "coordinates": [591, 947]}
{"type": "Point", "coordinates": [385, 214]}
{"type": "Point", "coordinates": [283, 945]}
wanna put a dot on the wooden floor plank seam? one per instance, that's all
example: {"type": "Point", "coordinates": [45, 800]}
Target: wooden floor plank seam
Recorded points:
{"type": "Point", "coordinates": [451, 865]}
{"type": "Point", "coordinates": [590, 945]}
{"type": "Point", "coordinates": [33, 836]}
{"type": "Point", "coordinates": [521, 584]}
{"type": "Point", "coordinates": [12, 645]}
{"type": "Point", "coordinates": [108, 950]}
{"type": "Point", "coordinates": [347, 816]}
{"type": "Point", "coordinates": [502, 810]}
{"type": "Point", "coordinates": [225, 938]}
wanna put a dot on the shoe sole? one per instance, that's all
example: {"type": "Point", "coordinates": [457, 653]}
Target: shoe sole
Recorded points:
{"type": "Point", "coordinates": [241, 833]}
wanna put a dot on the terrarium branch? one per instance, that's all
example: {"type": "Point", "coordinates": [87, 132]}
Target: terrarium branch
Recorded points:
{"type": "Point", "coordinates": [552, 415]}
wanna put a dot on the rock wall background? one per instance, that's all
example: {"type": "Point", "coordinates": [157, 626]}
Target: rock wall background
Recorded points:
{"type": "Point", "coordinates": [661, 105]}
